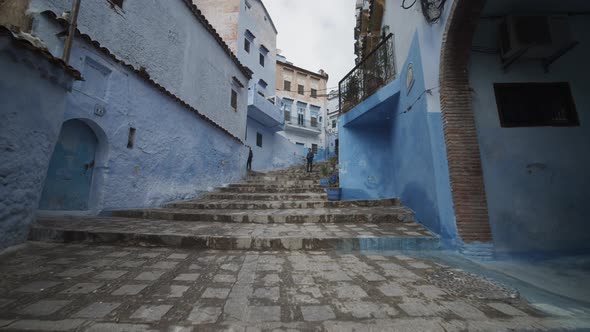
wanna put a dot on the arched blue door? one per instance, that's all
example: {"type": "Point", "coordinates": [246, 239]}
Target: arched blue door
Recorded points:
{"type": "Point", "coordinates": [67, 186]}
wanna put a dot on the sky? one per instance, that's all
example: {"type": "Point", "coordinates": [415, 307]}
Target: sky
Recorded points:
{"type": "Point", "coordinates": [316, 34]}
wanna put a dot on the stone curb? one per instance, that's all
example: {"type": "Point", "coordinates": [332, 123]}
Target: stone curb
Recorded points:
{"type": "Point", "coordinates": [236, 243]}
{"type": "Point", "coordinates": [400, 215]}
{"type": "Point", "coordinates": [281, 205]}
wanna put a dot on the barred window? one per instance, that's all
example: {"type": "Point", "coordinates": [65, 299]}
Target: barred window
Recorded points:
{"type": "Point", "coordinates": [536, 104]}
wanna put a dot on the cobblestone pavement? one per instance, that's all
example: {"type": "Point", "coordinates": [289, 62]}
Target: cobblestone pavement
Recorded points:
{"type": "Point", "coordinates": [107, 288]}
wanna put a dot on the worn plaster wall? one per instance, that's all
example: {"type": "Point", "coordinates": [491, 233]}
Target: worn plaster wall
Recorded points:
{"type": "Point", "coordinates": [32, 105]}
{"type": "Point", "coordinates": [224, 15]}
{"type": "Point", "coordinates": [166, 39]}
{"type": "Point", "coordinates": [405, 24]}
{"type": "Point", "coordinates": [391, 146]}
{"type": "Point", "coordinates": [176, 155]}
{"type": "Point", "coordinates": [276, 151]}
{"type": "Point", "coordinates": [14, 13]}
{"type": "Point", "coordinates": [256, 19]}
{"type": "Point", "coordinates": [536, 178]}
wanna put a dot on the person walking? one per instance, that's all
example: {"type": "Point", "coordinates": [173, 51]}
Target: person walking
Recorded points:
{"type": "Point", "coordinates": [249, 163]}
{"type": "Point", "coordinates": [309, 157]}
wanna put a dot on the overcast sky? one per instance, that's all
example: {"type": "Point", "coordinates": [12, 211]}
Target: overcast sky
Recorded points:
{"type": "Point", "coordinates": [316, 34]}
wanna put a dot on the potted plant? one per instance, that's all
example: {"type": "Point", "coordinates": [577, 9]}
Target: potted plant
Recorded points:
{"type": "Point", "coordinates": [334, 191]}
{"type": "Point", "coordinates": [324, 179]}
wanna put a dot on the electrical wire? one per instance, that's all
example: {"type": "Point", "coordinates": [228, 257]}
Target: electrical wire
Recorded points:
{"type": "Point", "coordinates": [427, 91]}
{"type": "Point", "coordinates": [333, 88]}
{"type": "Point", "coordinates": [410, 6]}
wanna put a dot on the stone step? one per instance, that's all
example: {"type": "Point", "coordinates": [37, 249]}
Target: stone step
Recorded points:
{"type": "Point", "coordinates": [373, 215]}
{"type": "Point", "coordinates": [283, 183]}
{"type": "Point", "coordinates": [342, 237]}
{"type": "Point", "coordinates": [267, 197]}
{"type": "Point", "coordinates": [260, 205]}
{"type": "Point", "coordinates": [294, 175]}
{"type": "Point", "coordinates": [273, 178]}
{"type": "Point", "coordinates": [272, 190]}
{"type": "Point", "coordinates": [310, 184]}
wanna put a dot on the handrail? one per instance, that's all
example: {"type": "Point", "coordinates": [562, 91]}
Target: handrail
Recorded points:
{"type": "Point", "coordinates": [373, 72]}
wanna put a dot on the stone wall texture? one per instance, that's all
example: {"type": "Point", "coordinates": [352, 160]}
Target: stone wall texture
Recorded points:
{"type": "Point", "coordinates": [32, 104]}
{"type": "Point", "coordinates": [463, 153]}
{"type": "Point", "coordinates": [167, 40]}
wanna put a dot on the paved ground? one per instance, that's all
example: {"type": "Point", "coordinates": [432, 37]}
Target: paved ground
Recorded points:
{"type": "Point", "coordinates": [566, 276]}
{"type": "Point", "coordinates": [106, 288]}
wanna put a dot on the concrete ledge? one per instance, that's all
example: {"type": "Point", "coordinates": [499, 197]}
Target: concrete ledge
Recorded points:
{"type": "Point", "coordinates": [282, 216]}
{"type": "Point", "coordinates": [238, 242]}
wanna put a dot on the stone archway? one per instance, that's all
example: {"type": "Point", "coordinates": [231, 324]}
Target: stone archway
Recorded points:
{"type": "Point", "coordinates": [463, 153]}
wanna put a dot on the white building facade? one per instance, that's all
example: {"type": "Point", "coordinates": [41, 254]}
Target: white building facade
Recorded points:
{"type": "Point", "coordinates": [248, 29]}
{"type": "Point", "coordinates": [331, 123]}
{"type": "Point", "coordinates": [304, 105]}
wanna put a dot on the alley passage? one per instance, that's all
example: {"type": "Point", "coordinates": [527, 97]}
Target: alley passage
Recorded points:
{"type": "Point", "coordinates": [284, 209]}
{"type": "Point", "coordinates": [270, 253]}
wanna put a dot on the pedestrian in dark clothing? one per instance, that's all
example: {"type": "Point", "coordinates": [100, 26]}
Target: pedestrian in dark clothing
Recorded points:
{"type": "Point", "coordinates": [249, 163]}
{"type": "Point", "coordinates": [309, 157]}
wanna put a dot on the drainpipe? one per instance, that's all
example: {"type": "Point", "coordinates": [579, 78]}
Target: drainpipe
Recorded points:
{"type": "Point", "coordinates": [71, 30]}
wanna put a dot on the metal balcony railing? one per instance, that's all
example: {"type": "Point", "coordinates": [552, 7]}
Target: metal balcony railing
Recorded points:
{"type": "Point", "coordinates": [312, 124]}
{"type": "Point", "coordinates": [373, 72]}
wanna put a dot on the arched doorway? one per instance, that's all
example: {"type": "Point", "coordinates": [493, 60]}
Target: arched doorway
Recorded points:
{"type": "Point", "coordinates": [69, 178]}
{"type": "Point", "coordinates": [465, 170]}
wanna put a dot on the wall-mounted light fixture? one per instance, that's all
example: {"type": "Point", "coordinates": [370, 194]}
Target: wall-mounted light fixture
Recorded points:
{"type": "Point", "coordinates": [433, 9]}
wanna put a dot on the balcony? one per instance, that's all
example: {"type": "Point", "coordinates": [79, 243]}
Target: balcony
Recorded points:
{"type": "Point", "coordinates": [266, 111]}
{"type": "Point", "coordinates": [302, 126]}
{"type": "Point", "coordinates": [375, 71]}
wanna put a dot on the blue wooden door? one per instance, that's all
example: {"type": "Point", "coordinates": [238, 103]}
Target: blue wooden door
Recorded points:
{"type": "Point", "coordinates": [67, 186]}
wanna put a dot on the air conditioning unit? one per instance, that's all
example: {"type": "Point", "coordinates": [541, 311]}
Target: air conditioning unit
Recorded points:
{"type": "Point", "coordinates": [534, 36]}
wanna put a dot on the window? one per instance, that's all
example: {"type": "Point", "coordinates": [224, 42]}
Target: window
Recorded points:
{"type": "Point", "coordinates": [96, 77]}
{"type": "Point", "coordinates": [246, 45]}
{"type": "Point", "coordinates": [262, 87]}
{"type": "Point", "coordinates": [300, 89]}
{"type": "Point", "coordinates": [262, 59]}
{"type": "Point", "coordinates": [131, 138]}
{"type": "Point", "coordinates": [314, 93]}
{"type": "Point", "coordinates": [234, 100]}
{"type": "Point", "coordinates": [118, 3]}
{"type": "Point", "coordinates": [300, 144]}
{"type": "Point", "coordinates": [259, 139]}
{"type": "Point", "coordinates": [334, 123]}
{"type": "Point", "coordinates": [535, 104]}
{"type": "Point", "coordinates": [287, 105]}
{"type": "Point", "coordinates": [314, 122]}
{"type": "Point", "coordinates": [301, 107]}
{"type": "Point", "coordinates": [287, 85]}
{"type": "Point", "coordinates": [314, 148]}
{"type": "Point", "coordinates": [314, 112]}
{"type": "Point", "coordinates": [248, 40]}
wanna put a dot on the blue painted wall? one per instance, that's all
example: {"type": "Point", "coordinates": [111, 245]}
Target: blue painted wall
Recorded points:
{"type": "Point", "coordinates": [32, 104]}
{"type": "Point", "coordinates": [537, 180]}
{"type": "Point", "coordinates": [276, 152]}
{"type": "Point", "coordinates": [390, 150]}
{"type": "Point", "coordinates": [176, 155]}
{"type": "Point", "coordinates": [166, 39]}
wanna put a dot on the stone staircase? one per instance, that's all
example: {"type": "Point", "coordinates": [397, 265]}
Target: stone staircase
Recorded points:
{"type": "Point", "coordinates": [284, 209]}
